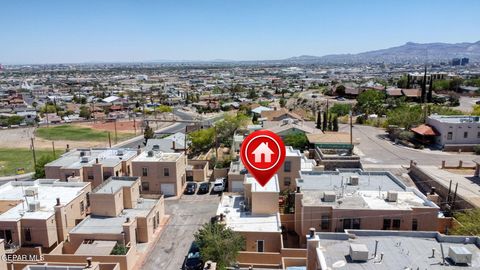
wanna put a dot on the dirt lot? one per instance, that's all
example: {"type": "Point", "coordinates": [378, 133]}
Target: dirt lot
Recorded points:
{"type": "Point", "coordinates": [20, 138]}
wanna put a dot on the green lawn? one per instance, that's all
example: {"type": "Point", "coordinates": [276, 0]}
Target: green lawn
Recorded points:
{"type": "Point", "coordinates": [76, 133]}
{"type": "Point", "coordinates": [13, 158]}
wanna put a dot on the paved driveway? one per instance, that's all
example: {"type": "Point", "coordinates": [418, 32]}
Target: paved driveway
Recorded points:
{"type": "Point", "coordinates": [187, 214]}
{"type": "Point", "coordinates": [374, 149]}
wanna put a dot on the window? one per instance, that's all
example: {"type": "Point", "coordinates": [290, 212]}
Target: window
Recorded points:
{"type": "Point", "coordinates": [90, 176]}
{"type": "Point", "coordinates": [414, 224]}
{"type": "Point", "coordinates": [287, 167]}
{"type": "Point", "coordinates": [396, 224]}
{"type": "Point", "coordinates": [449, 135]}
{"type": "Point", "coordinates": [82, 207]}
{"type": "Point", "coordinates": [386, 224]}
{"type": "Point", "coordinates": [144, 171]}
{"type": "Point", "coordinates": [351, 223]}
{"type": "Point", "coordinates": [28, 234]}
{"type": "Point", "coordinates": [287, 181]}
{"type": "Point", "coordinates": [145, 186]}
{"type": "Point", "coordinates": [325, 225]}
{"type": "Point", "coordinates": [478, 134]}
{"type": "Point", "coordinates": [260, 245]}
{"type": "Point", "coordinates": [356, 224]}
{"type": "Point", "coordinates": [166, 172]}
{"type": "Point", "coordinates": [465, 134]}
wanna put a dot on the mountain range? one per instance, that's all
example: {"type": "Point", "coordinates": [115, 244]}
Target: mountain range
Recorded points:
{"type": "Point", "coordinates": [409, 52]}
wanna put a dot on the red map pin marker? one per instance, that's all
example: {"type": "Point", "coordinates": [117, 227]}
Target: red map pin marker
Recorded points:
{"type": "Point", "coordinates": [262, 153]}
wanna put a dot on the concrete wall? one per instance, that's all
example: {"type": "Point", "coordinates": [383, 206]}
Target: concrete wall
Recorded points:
{"type": "Point", "coordinates": [106, 204]}
{"type": "Point", "coordinates": [156, 176]}
{"type": "Point", "coordinates": [264, 203]}
{"type": "Point", "coordinates": [295, 166]}
{"type": "Point", "coordinates": [199, 172]}
{"type": "Point", "coordinates": [272, 241]}
{"type": "Point", "coordinates": [457, 130]}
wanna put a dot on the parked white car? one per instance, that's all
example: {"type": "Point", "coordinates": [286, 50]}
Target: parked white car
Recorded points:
{"type": "Point", "coordinates": [219, 185]}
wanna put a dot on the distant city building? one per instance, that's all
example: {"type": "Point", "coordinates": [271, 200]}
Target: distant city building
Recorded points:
{"type": "Point", "coordinates": [464, 61]}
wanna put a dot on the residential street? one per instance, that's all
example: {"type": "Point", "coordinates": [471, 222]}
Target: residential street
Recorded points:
{"type": "Point", "coordinates": [375, 149]}
{"type": "Point", "coordinates": [187, 214]}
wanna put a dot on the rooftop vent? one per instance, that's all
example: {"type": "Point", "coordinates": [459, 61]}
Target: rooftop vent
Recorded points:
{"type": "Point", "coordinates": [120, 152]}
{"type": "Point", "coordinates": [358, 252]}
{"type": "Point", "coordinates": [31, 191]}
{"type": "Point", "coordinates": [329, 196]}
{"type": "Point", "coordinates": [460, 255]}
{"type": "Point", "coordinates": [392, 196]}
{"type": "Point", "coordinates": [82, 153]}
{"type": "Point", "coordinates": [156, 147]}
{"type": "Point", "coordinates": [33, 206]}
{"type": "Point", "coordinates": [150, 154]}
{"type": "Point", "coordinates": [354, 180]}
{"type": "Point", "coordinates": [84, 159]}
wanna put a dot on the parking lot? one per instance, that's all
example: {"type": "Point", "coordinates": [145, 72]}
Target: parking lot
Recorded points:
{"type": "Point", "coordinates": [188, 214]}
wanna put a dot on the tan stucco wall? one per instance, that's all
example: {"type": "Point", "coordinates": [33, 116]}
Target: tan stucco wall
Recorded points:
{"type": "Point", "coordinates": [272, 241]}
{"type": "Point", "coordinates": [264, 203]}
{"type": "Point", "coordinates": [293, 174]}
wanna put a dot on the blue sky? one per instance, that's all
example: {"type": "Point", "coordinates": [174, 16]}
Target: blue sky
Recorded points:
{"type": "Point", "coordinates": [70, 31]}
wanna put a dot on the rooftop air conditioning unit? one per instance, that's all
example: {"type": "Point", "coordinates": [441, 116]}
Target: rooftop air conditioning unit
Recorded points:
{"type": "Point", "coordinates": [31, 191]}
{"type": "Point", "coordinates": [156, 147]}
{"type": "Point", "coordinates": [392, 196]}
{"type": "Point", "coordinates": [120, 152]}
{"type": "Point", "coordinates": [354, 180]}
{"type": "Point", "coordinates": [358, 252]}
{"type": "Point", "coordinates": [460, 255]}
{"type": "Point", "coordinates": [33, 206]}
{"type": "Point", "coordinates": [329, 196]}
{"type": "Point", "coordinates": [150, 153]}
{"type": "Point", "coordinates": [84, 159]}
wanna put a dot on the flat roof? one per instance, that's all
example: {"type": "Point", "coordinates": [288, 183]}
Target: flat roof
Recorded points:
{"type": "Point", "coordinates": [79, 158]}
{"type": "Point", "coordinates": [114, 184]}
{"type": "Point", "coordinates": [243, 221]}
{"type": "Point", "coordinates": [96, 248]}
{"type": "Point", "coordinates": [401, 250]}
{"type": "Point", "coordinates": [370, 193]}
{"type": "Point", "coordinates": [455, 119]}
{"type": "Point", "coordinates": [157, 156]}
{"type": "Point", "coordinates": [270, 186]}
{"type": "Point", "coordinates": [48, 192]}
{"type": "Point", "coordinates": [113, 225]}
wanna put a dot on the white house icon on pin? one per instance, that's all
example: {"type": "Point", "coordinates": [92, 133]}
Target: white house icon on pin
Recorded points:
{"type": "Point", "coordinates": [264, 150]}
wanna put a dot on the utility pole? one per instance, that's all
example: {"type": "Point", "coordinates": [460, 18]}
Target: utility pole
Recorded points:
{"type": "Point", "coordinates": [109, 140]}
{"type": "Point", "coordinates": [34, 155]}
{"type": "Point", "coordinates": [351, 130]}
{"type": "Point", "coordinates": [53, 149]}
{"type": "Point", "coordinates": [115, 126]}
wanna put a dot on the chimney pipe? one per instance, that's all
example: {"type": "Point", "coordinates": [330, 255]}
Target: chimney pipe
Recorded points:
{"type": "Point", "coordinates": [432, 190]}
{"type": "Point", "coordinates": [312, 232]}
{"type": "Point", "coordinates": [128, 220]}
{"type": "Point", "coordinates": [68, 148]}
{"type": "Point", "coordinates": [89, 262]}
{"type": "Point", "coordinates": [96, 160]}
{"type": "Point", "coordinates": [433, 252]}
{"type": "Point", "coordinates": [376, 248]}
{"type": "Point", "coordinates": [298, 189]}
{"type": "Point", "coordinates": [138, 150]}
{"type": "Point", "coordinates": [58, 201]}
{"type": "Point", "coordinates": [173, 145]}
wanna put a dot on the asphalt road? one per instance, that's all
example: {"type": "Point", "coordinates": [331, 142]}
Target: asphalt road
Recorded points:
{"type": "Point", "coordinates": [187, 215]}
{"type": "Point", "coordinates": [376, 149]}
{"type": "Point", "coordinates": [175, 127]}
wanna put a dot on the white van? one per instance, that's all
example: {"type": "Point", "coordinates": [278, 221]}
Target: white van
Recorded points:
{"type": "Point", "coordinates": [219, 185]}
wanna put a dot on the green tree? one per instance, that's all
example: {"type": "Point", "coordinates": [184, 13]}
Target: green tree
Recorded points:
{"type": "Point", "coordinates": [252, 94]}
{"type": "Point", "coordinates": [325, 121]}
{"type": "Point", "coordinates": [319, 120]}
{"type": "Point", "coordinates": [148, 133]}
{"type": "Point", "coordinates": [340, 90]}
{"type": "Point", "coordinates": [297, 140]}
{"type": "Point", "coordinates": [371, 101]}
{"type": "Point", "coordinates": [469, 223]}
{"type": "Point", "coordinates": [201, 140]}
{"type": "Point", "coordinates": [405, 116]}
{"type": "Point", "coordinates": [40, 166]}
{"type": "Point", "coordinates": [341, 109]}
{"type": "Point", "coordinates": [219, 244]}
{"type": "Point", "coordinates": [119, 249]}
{"type": "Point", "coordinates": [402, 82]}
{"type": "Point", "coordinates": [330, 126]}
{"type": "Point", "coordinates": [85, 112]}
{"type": "Point", "coordinates": [164, 109]}
{"type": "Point", "coordinates": [335, 123]}
{"type": "Point", "coordinates": [282, 102]}
{"type": "Point", "coordinates": [226, 127]}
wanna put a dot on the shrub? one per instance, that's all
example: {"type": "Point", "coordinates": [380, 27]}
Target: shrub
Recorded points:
{"type": "Point", "coordinates": [476, 149]}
